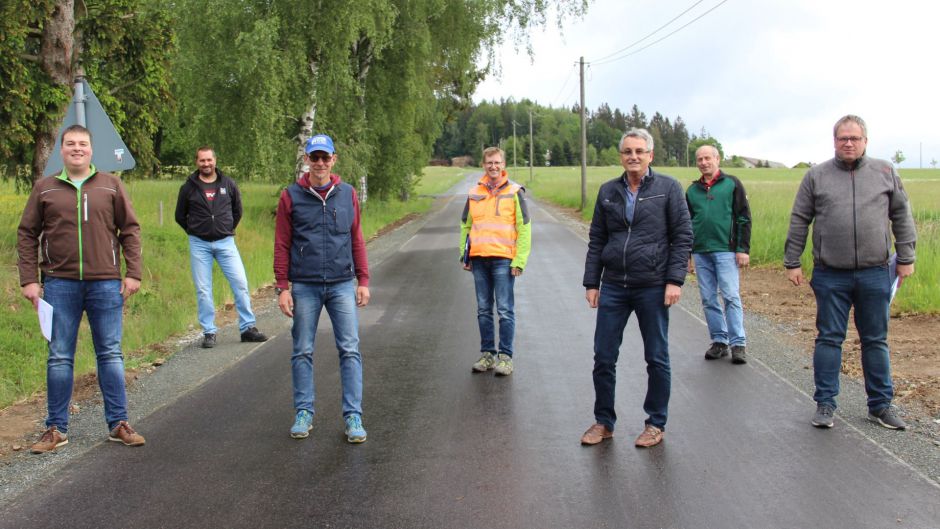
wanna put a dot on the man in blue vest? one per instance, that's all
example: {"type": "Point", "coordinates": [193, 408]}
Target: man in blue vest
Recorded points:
{"type": "Point", "coordinates": [320, 261]}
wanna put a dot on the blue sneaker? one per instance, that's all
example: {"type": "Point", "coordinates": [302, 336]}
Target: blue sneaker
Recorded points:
{"type": "Point", "coordinates": [302, 425]}
{"type": "Point", "coordinates": [355, 433]}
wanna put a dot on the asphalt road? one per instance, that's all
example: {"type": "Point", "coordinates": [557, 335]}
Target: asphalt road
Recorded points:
{"type": "Point", "coordinates": [448, 448]}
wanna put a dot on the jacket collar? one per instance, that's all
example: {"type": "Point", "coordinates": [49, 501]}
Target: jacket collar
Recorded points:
{"type": "Point", "coordinates": [305, 182]}
{"type": "Point", "coordinates": [194, 176]}
{"type": "Point", "coordinates": [859, 162]}
{"type": "Point", "coordinates": [645, 181]}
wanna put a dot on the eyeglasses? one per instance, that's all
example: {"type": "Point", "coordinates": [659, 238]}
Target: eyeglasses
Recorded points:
{"type": "Point", "coordinates": [638, 152]}
{"type": "Point", "coordinates": [847, 139]}
{"type": "Point", "coordinates": [320, 157]}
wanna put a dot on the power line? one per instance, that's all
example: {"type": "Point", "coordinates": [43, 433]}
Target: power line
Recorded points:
{"type": "Point", "coordinates": [657, 30]}
{"type": "Point", "coordinates": [680, 28]}
{"type": "Point", "coordinates": [565, 85]}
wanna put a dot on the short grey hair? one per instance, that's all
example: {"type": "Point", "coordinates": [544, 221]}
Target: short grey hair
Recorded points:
{"type": "Point", "coordinates": [643, 134]}
{"type": "Point", "coordinates": [713, 148]}
{"type": "Point", "coordinates": [850, 118]}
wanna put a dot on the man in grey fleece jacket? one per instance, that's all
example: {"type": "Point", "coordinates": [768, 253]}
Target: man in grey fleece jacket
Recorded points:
{"type": "Point", "coordinates": [850, 200]}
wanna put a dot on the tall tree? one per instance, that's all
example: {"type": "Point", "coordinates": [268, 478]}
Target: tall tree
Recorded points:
{"type": "Point", "coordinates": [122, 46]}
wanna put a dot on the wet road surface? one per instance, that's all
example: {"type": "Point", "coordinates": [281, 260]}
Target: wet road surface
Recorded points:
{"type": "Point", "coordinates": [448, 448]}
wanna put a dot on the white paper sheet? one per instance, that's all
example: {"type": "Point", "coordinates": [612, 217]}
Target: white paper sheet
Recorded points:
{"type": "Point", "coordinates": [45, 319]}
{"type": "Point", "coordinates": [893, 274]}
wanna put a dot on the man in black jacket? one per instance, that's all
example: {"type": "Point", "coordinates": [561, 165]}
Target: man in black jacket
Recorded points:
{"type": "Point", "coordinates": [209, 207]}
{"type": "Point", "coordinates": [637, 259]}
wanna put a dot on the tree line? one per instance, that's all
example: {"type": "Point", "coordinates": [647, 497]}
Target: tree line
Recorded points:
{"type": "Point", "coordinates": [253, 78]}
{"type": "Point", "coordinates": [556, 137]}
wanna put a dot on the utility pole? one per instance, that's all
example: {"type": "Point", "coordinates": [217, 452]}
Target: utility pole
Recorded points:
{"type": "Point", "coordinates": [583, 143]}
{"type": "Point", "coordinates": [531, 146]}
{"type": "Point", "coordinates": [513, 146]}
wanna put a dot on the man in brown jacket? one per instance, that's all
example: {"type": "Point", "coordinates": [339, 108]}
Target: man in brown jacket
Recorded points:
{"type": "Point", "coordinates": [74, 230]}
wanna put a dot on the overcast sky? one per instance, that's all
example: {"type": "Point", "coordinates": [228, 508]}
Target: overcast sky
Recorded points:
{"type": "Point", "coordinates": [768, 78]}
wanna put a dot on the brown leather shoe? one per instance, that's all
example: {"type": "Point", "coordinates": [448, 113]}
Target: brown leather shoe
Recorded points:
{"type": "Point", "coordinates": [51, 439]}
{"type": "Point", "coordinates": [651, 436]}
{"type": "Point", "coordinates": [595, 434]}
{"type": "Point", "coordinates": [123, 433]}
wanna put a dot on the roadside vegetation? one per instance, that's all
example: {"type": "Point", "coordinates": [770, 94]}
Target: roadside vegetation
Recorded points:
{"type": "Point", "coordinates": [771, 193]}
{"type": "Point", "coordinates": [165, 305]}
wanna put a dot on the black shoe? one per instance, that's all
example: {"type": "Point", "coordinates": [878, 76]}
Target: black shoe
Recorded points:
{"type": "Point", "coordinates": [716, 351]}
{"type": "Point", "coordinates": [254, 335]}
{"type": "Point", "coordinates": [738, 354]}
{"type": "Point", "coordinates": [208, 341]}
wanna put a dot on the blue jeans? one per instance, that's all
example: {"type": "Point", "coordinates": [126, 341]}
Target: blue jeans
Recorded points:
{"type": "Point", "coordinates": [340, 302]}
{"type": "Point", "coordinates": [716, 272]}
{"type": "Point", "coordinates": [613, 310]}
{"type": "Point", "coordinates": [869, 291]}
{"type": "Point", "coordinates": [103, 303]}
{"type": "Point", "coordinates": [492, 278]}
{"type": "Point", "coordinates": [201, 254]}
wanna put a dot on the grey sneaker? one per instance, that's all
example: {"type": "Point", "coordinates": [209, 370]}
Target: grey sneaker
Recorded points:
{"type": "Point", "coordinates": [888, 418]}
{"type": "Point", "coordinates": [716, 351]}
{"type": "Point", "coordinates": [208, 341]}
{"type": "Point", "coordinates": [503, 365]}
{"type": "Point", "coordinates": [738, 354]}
{"type": "Point", "coordinates": [823, 417]}
{"type": "Point", "coordinates": [485, 363]}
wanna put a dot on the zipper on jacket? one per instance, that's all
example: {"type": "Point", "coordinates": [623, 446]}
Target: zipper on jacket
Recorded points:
{"type": "Point", "coordinates": [85, 207]}
{"type": "Point", "coordinates": [625, 243]}
{"type": "Point", "coordinates": [81, 258]}
{"type": "Point", "coordinates": [854, 219]}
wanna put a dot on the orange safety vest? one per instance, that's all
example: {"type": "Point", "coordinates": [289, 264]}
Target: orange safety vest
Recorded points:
{"type": "Point", "coordinates": [493, 232]}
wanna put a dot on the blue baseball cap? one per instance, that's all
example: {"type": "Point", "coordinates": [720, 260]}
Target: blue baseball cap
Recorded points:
{"type": "Point", "coordinates": [320, 142]}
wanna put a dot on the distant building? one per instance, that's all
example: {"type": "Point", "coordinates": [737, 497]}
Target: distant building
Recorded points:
{"type": "Point", "coordinates": [749, 162]}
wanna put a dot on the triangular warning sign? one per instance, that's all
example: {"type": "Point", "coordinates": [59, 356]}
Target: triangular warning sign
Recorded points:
{"type": "Point", "coordinates": [108, 150]}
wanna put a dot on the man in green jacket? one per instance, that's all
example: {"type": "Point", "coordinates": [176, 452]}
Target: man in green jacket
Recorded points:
{"type": "Point", "coordinates": [721, 223]}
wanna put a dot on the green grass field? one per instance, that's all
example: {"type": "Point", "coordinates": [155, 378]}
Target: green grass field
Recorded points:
{"type": "Point", "coordinates": [165, 305]}
{"type": "Point", "coordinates": [771, 193]}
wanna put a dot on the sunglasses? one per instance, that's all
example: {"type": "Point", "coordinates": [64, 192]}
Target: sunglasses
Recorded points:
{"type": "Point", "coordinates": [320, 157]}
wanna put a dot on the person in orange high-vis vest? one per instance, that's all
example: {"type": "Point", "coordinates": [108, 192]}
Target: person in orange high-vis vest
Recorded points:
{"type": "Point", "coordinates": [495, 239]}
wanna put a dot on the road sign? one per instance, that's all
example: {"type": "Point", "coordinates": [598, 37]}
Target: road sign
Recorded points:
{"type": "Point", "coordinates": [108, 150]}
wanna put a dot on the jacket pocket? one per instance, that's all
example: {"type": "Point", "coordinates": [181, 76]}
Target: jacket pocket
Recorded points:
{"type": "Point", "coordinates": [342, 220]}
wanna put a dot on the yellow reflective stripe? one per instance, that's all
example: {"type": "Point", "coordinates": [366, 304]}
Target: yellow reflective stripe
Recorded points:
{"type": "Point", "coordinates": [492, 226]}
{"type": "Point", "coordinates": [491, 240]}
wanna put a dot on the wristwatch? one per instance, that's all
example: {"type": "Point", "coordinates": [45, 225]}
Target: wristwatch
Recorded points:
{"type": "Point", "coordinates": [278, 290]}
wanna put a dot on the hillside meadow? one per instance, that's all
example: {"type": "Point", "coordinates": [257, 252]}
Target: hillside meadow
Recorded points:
{"type": "Point", "coordinates": [771, 193]}
{"type": "Point", "coordinates": [165, 305]}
